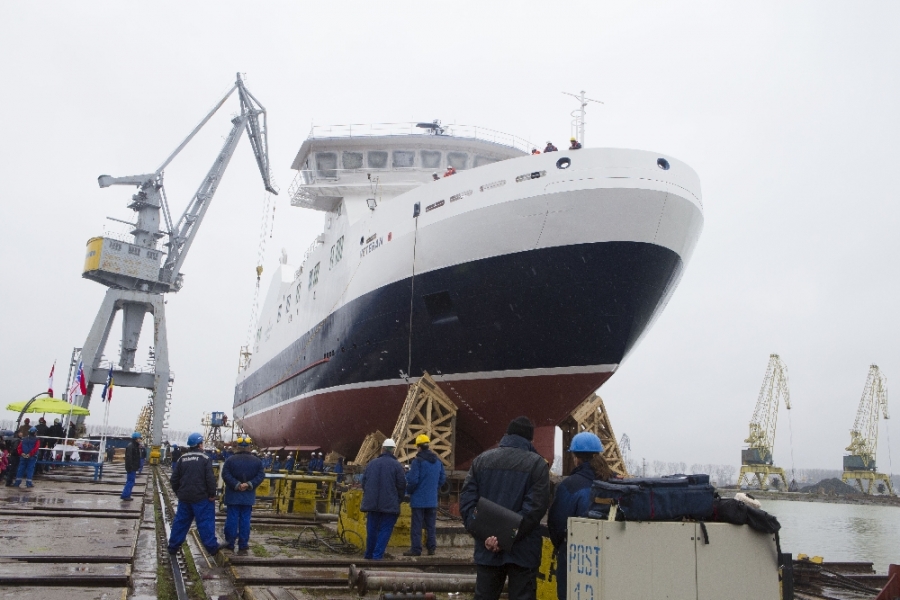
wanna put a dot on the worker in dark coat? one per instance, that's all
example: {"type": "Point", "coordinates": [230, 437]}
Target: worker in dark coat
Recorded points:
{"type": "Point", "coordinates": [516, 477]}
{"type": "Point", "coordinates": [573, 498]}
{"type": "Point", "coordinates": [57, 433]}
{"type": "Point", "coordinates": [133, 456]}
{"type": "Point", "coordinates": [28, 450]}
{"type": "Point", "coordinates": [242, 473]}
{"type": "Point", "coordinates": [195, 486]}
{"type": "Point", "coordinates": [12, 466]}
{"type": "Point", "coordinates": [384, 485]}
{"type": "Point", "coordinates": [426, 475]}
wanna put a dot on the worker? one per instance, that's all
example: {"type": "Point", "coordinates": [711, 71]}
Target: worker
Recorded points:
{"type": "Point", "coordinates": [574, 144]}
{"type": "Point", "coordinates": [177, 451]}
{"type": "Point", "coordinates": [288, 464]}
{"type": "Point", "coordinates": [339, 469]}
{"type": "Point", "coordinates": [450, 171]}
{"type": "Point", "coordinates": [133, 461]}
{"type": "Point", "coordinates": [384, 485]}
{"type": "Point", "coordinates": [424, 479]}
{"type": "Point", "coordinates": [110, 453]}
{"type": "Point", "coordinates": [242, 473]}
{"type": "Point", "coordinates": [26, 425]}
{"type": "Point", "coordinates": [535, 151]}
{"type": "Point", "coordinates": [73, 430]}
{"type": "Point", "coordinates": [42, 432]}
{"type": "Point", "coordinates": [320, 463]}
{"type": "Point", "coordinates": [195, 487]}
{"type": "Point", "coordinates": [435, 176]}
{"type": "Point", "coordinates": [550, 148]}
{"type": "Point", "coordinates": [12, 446]}
{"type": "Point", "coordinates": [517, 478]}
{"type": "Point", "coordinates": [28, 450]}
{"type": "Point", "coordinates": [57, 433]}
{"type": "Point", "coordinates": [573, 498]}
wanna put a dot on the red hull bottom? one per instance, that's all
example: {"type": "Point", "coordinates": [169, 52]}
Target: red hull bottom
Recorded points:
{"type": "Point", "coordinates": [339, 420]}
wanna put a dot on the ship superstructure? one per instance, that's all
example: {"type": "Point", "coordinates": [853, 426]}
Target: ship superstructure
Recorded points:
{"type": "Point", "coordinates": [520, 283]}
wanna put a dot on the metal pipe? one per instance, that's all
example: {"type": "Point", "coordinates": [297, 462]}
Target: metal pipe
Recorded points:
{"type": "Point", "coordinates": [415, 582]}
{"type": "Point", "coordinates": [402, 596]}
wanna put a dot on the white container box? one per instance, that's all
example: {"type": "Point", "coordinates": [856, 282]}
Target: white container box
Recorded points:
{"type": "Point", "coordinates": [615, 560]}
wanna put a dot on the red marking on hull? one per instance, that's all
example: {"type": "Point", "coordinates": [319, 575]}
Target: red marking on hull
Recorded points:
{"type": "Point", "coordinates": [340, 420]}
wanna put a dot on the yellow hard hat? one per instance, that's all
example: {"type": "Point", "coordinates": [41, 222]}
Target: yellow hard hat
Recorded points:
{"type": "Point", "coordinates": [244, 441]}
{"type": "Point", "coordinates": [422, 439]}
{"type": "Point", "coordinates": [572, 140]}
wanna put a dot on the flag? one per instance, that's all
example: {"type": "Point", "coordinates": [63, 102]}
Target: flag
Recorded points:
{"type": "Point", "coordinates": [50, 380]}
{"type": "Point", "coordinates": [79, 385]}
{"type": "Point", "coordinates": [108, 386]}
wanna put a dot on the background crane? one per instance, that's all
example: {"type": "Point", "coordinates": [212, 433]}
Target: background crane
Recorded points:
{"type": "Point", "coordinates": [138, 272]}
{"type": "Point", "coordinates": [756, 460]}
{"type": "Point", "coordinates": [860, 464]}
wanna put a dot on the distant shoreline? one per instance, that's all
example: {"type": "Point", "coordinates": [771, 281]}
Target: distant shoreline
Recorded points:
{"type": "Point", "coordinates": [805, 497]}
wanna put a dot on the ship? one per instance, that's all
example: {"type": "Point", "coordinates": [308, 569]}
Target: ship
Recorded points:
{"type": "Point", "coordinates": [518, 281]}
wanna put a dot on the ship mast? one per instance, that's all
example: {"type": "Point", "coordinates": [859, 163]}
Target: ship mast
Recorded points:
{"type": "Point", "coordinates": [578, 115]}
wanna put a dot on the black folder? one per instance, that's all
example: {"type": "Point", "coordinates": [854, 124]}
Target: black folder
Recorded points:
{"type": "Point", "coordinates": [491, 519]}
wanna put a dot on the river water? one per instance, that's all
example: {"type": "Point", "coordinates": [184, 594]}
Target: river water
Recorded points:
{"type": "Point", "coordinates": [839, 532]}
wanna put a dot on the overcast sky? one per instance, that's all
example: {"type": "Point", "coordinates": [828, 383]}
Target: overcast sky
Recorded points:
{"type": "Point", "coordinates": [789, 114]}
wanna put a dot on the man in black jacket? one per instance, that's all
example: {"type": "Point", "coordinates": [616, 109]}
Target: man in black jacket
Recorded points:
{"type": "Point", "coordinates": [516, 477]}
{"type": "Point", "coordinates": [195, 486]}
{"type": "Point", "coordinates": [132, 464]}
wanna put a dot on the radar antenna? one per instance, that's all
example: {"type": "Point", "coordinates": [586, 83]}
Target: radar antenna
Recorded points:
{"type": "Point", "coordinates": [578, 115]}
{"type": "Point", "coordinates": [756, 460]}
{"type": "Point", "coordinates": [860, 464]}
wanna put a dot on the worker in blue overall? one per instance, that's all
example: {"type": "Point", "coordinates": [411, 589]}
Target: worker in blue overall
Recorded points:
{"type": "Point", "coordinates": [384, 485]}
{"type": "Point", "coordinates": [424, 479]}
{"type": "Point", "coordinates": [242, 473]}
{"type": "Point", "coordinates": [133, 460]}
{"type": "Point", "coordinates": [573, 498]}
{"type": "Point", "coordinates": [27, 451]}
{"type": "Point", "coordinates": [195, 486]}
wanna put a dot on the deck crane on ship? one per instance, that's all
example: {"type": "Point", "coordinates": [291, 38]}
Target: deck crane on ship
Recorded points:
{"type": "Point", "coordinates": [756, 460]}
{"type": "Point", "coordinates": [140, 272]}
{"type": "Point", "coordinates": [859, 465]}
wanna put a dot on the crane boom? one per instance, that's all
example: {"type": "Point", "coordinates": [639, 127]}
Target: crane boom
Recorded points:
{"type": "Point", "coordinates": [864, 435]}
{"type": "Point", "coordinates": [765, 415]}
{"type": "Point", "coordinates": [151, 198]}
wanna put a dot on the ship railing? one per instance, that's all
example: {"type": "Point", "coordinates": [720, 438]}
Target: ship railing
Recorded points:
{"type": "Point", "coordinates": [411, 128]}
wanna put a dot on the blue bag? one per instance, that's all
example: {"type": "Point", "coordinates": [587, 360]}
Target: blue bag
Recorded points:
{"type": "Point", "coordinates": [670, 498]}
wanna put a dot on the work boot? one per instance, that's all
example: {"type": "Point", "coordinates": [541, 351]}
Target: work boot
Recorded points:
{"type": "Point", "coordinates": [243, 551]}
{"type": "Point", "coordinates": [431, 552]}
{"type": "Point", "coordinates": [29, 484]}
{"type": "Point", "coordinates": [129, 499]}
{"type": "Point", "coordinates": [17, 483]}
{"type": "Point", "coordinates": [412, 553]}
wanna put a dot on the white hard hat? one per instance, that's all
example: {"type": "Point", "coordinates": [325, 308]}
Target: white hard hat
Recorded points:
{"type": "Point", "coordinates": [389, 443]}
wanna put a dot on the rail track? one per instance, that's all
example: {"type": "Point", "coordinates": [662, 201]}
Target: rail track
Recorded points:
{"type": "Point", "coordinates": [177, 562]}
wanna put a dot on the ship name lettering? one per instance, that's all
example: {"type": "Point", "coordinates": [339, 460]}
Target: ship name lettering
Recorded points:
{"type": "Point", "coordinates": [370, 247]}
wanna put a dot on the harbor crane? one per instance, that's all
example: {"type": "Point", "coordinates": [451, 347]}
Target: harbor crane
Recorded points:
{"type": "Point", "coordinates": [138, 272]}
{"type": "Point", "coordinates": [859, 466]}
{"type": "Point", "coordinates": [756, 460]}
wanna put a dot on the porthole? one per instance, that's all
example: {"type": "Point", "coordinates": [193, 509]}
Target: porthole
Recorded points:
{"type": "Point", "coordinates": [662, 164]}
{"type": "Point", "coordinates": [563, 163]}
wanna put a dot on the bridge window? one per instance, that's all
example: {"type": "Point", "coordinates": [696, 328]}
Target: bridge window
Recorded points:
{"type": "Point", "coordinates": [352, 160]}
{"type": "Point", "coordinates": [484, 160]}
{"type": "Point", "coordinates": [326, 164]}
{"type": "Point", "coordinates": [337, 251]}
{"type": "Point", "coordinates": [404, 159]}
{"type": "Point", "coordinates": [314, 276]}
{"type": "Point", "coordinates": [457, 160]}
{"type": "Point", "coordinates": [377, 159]}
{"type": "Point", "coordinates": [431, 159]}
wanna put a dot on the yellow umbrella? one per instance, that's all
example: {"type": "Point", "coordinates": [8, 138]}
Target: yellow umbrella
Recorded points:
{"type": "Point", "coordinates": [49, 405]}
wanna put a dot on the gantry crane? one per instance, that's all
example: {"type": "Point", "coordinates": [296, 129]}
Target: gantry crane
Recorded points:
{"type": "Point", "coordinates": [860, 464]}
{"type": "Point", "coordinates": [139, 272]}
{"type": "Point", "coordinates": [756, 460]}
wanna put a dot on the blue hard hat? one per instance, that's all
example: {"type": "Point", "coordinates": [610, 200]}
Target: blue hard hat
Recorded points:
{"type": "Point", "coordinates": [136, 435]}
{"type": "Point", "coordinates": [195, 439]}
{"type": "Point", "coordinates": [586, 442]}
{"type": "Point", "coordinates": [32, 430]}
